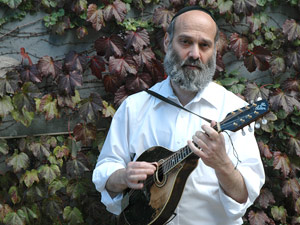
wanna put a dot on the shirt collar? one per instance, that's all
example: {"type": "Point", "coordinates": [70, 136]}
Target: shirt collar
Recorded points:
{"type": "Point", "coordinates": [208, 94]}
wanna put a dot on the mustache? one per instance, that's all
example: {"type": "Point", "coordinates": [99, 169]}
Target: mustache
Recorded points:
{"type": "Point", "coordinates": [193, 62]}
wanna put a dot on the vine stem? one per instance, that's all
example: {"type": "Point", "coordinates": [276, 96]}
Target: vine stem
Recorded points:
{"type": "Point", "coordinates": [19, 27]}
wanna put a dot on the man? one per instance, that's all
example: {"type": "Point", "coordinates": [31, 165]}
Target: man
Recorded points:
{"type": "Point", "coordinates": [229, 174]}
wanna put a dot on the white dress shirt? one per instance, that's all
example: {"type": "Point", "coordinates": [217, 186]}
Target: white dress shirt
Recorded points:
{"type": "Point", "coordinates": [143, 121]}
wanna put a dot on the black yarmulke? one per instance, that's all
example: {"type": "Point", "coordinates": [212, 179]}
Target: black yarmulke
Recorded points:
{"type": "Point", "coordinates": [190, 8]}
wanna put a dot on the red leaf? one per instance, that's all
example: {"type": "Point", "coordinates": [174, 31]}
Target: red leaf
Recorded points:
{"type": "Point", "coordinates": [30, 73]}
{"type": "Point", "coordinates": [259, 58]}
{"type": "Point", "coordinates": [293, 58]}
{"type": "Point", "coordinates": [286, 101]}
{"type": "Point", "coordinates": [266, 198]}
{"type": "Point", "coordinates": [253, 92]}
{"type": "Point", "coordinates": [277, 65]}
{"type": "Point", "coordinates": [85, 133]}
{"type": "Point", "coordinates": [265, 150]}
{"type": "Point", "coordinates": [122, 66]}
{"type": "Point", "coordinates": [157, 71]}
{"type": "Point", "coordinates": [75, 61]}
{"type": "Point", "coordinates": [162, 17]}
{"type": "Point", "coordinates": [291, 186]}
{"type": "Point", "coordinates": [258, 218]}
{"type": "Point", "coordinates": [97, 66]}
{"type": "Point", "coordinates": [282, 162]}
{"type": "Point", "coordinates": [238, 44]}
{"type": "Point", "coordinates": [220, 64]}
{"type": "Point", "coordinates": [68, 82]}
{"type": "Point", "coordinates": [25, 56]}
{"type": "Point", "coordinates": [137, 39]}
{"type": "Point", "coordinates": [291, 29]}
{"type": "Point", "coordinates": [81, 32]}
{"type": "Point", "coordinates": [95, 16]}
{"type": "Point", "coordinates": [111, 83]}
{"type": "Point", "coordinates": [222, 43]}
{"type": "Point", "coordinates": [294, 144]}
{"type": "Point", "coordinates": [291, 84]}
{"type": "Point", "coordinates": [109, 46]}
{"type": "Point", "coordinates": [47, 66]}
{"type": "Point", "coordinates": [120, 95]}
{"type": "Point", "coordinates": [139, 82]}
{"type": "Point", "coordinates": [91, 107]}
{"type": "Point", "coordinates": [117, 10]}
{"type": "Point", "coordinates": [145, 57]}
{"type": "Point", "coordinates": [244, 6]}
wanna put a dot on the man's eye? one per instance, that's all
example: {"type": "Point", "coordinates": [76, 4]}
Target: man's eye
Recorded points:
{"type": "Point", "coordinates": [185, 42]}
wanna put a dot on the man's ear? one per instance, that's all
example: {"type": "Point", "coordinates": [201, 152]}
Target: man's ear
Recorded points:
{"type": "Point", "coordinates": [166, 41]}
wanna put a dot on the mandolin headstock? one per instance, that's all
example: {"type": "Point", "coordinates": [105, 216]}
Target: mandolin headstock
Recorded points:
{"type": "Point", "coordinates": [244, 116]}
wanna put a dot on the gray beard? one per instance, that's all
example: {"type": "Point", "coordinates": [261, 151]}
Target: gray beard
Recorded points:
{"type": "Point", "coordinates": [190, 80]}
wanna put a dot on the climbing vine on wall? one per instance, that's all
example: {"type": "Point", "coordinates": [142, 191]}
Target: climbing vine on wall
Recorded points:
{"type": "Point", "coordinates": [47, 179]}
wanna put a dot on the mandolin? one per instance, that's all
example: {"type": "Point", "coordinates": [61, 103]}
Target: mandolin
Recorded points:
{"type": "Point", "coordinates": [156, 202]}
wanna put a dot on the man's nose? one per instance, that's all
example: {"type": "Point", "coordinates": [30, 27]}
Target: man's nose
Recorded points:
{"type": "Point", "coordinates": [195, 52]}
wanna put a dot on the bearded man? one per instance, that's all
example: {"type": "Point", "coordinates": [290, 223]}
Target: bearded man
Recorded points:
{"type": "Point", "coordinates": [228, 175]}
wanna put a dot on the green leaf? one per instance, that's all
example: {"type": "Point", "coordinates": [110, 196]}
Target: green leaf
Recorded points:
{"type": "Point", "coordinates": [73, 216]}
{"type": "Point", "coordinates": [279, 125]}
{"type": "Point", "coordinates": [279, 213]}
{"type": "Point", "coordinates": [77, 166]}
{"type": "Point", "coordinates": [12, 3]}
{"type": "Point", "coordinates": [292, 130]}
{"type": "Point", "coordinates": [49, 173]}
{"type": "Point", "coordinates": [53, 207]}
{"type": "Point", "coordinates": [294, 119]}
{"type": "Point", "coordinates": [57, 184]}
{"type": "Point", "coordinates": [25, 117]}
{"type": "Point", "coordinates": [4, 210]}
{"type": "Point", "coordinates": [61, 151]}
{"type": "Point", "coordinates": [53, 160]}
{"type": "Point", "coordinates": [30, 177]}
{"type": "Point", "coordinates": [49, 106]}
{"type": "Point", "coordinates": [281, 114]}
{"type": "Point", "coordinates": [18, 161]}
{"type": "Point", "coordinates": [224, 6]}
{"type": "Point", "coordinates": [76, 188]}
{"type": "Point", "coordinates": [8, 82]}
{"type": "Point", "coordinates": [4, 147]}
{"type": "Point", "coordinates": [261, 2]}
{"type": "Point", "coordinates": [5, 106]}
{"type": "Point", "coordinates": [237, 88]}
{"type": "Point", "coordinates": [15, 218]}
{"type": "Point", "coordinates": [229, 81]}
{"type": "Point", "coordinates": [36, 193]}
{"type": "Point", "coordinates": [40, 148]}
{"type": "Point", "coordinates": [13, 194]}
{"type": "Point", "coordinates": [30, 214]}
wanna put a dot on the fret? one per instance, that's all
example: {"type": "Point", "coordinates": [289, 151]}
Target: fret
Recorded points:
{"type": "Point", "coordinates": [177, 158]}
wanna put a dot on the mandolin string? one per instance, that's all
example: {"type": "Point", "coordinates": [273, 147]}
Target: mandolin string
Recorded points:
{"type": "Point", "coordinates": [134, 192]}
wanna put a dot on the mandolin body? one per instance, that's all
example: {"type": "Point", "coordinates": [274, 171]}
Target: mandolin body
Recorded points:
{"type": "Point", "coordinates": [156, 202]}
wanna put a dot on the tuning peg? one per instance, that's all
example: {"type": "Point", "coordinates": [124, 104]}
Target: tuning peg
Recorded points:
{"type": "Point", "coordinates": [259, 98]}
{"type": "Point", "coordinates": [243, 132]}
{"type": "Point", "coordinates": [257, 125]}
{"type": "Point", "coordinates": [264, 121]}
{"type": "Point", "coordinates": [250, 129]}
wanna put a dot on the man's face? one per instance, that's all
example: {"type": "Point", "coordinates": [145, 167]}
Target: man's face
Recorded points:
{"type": "Point", "coordinates": [191, 57]}
{"type": "Point", "coordinates": [182, 75]}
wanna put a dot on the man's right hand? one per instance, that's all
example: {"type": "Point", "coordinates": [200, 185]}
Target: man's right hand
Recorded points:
{"type": "Point", "coordinates": [137, 172]}
{"type": "Point", "coordinates": [129, 177]}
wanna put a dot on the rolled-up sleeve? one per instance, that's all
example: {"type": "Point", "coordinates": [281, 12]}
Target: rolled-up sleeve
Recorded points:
{"type": "Point", "coordinates": [114, 156]}
{"type": "Point", "coordinates": [252, 171]}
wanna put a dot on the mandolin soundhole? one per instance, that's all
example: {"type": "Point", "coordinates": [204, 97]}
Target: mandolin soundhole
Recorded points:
{"type": "Point", "coordinates": [160, 177]}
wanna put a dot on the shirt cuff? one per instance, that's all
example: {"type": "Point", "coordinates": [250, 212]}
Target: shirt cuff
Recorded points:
{"type": "Point", "coordinates": [232, 208]}
{"type": "Point", "coordinates": [113, 205]}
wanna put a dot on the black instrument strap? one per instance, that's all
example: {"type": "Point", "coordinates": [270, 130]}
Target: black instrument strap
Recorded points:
{"type": "Point", "coordinates": [155, 94]}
